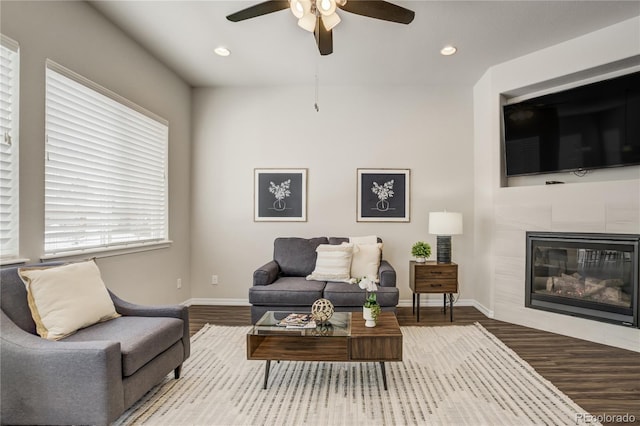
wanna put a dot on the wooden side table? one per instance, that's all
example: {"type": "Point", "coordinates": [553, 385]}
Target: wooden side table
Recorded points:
{"type": "Point", "coordinates": [433, 277]}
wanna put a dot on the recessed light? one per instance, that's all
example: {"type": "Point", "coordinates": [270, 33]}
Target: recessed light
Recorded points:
{"type": "Point", "coordinates": [222, 51]}
{"type": "Point", "coordinates": [448, 50]}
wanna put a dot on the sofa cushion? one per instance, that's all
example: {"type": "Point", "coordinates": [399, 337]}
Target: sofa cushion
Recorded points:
{"type": "Point", "coordinates": [65, 298]}
{"type": "Point", "coordinates": [333, 263]}
{"type": "Point", "coordinates": [343, 294]}
{"type": "Point", "coordinates": [340, 240]}
{"type": "Point", "coordinates": [294, 291]}
{"type": "Point", "coordinates": [141, 338]}
{"type": "Point", "coordinates": [296, 256]}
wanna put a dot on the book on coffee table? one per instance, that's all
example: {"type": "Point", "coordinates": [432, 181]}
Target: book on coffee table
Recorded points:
{"type": "Point", "coordinates": [297, 321]}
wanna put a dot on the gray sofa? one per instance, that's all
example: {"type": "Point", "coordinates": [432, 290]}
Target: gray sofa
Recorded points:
{"type": "Point", "coordinates": [92, 376]}
{"type": "Point", "coordinates": [281, 284]}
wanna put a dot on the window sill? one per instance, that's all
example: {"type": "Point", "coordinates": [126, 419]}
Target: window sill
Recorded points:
{"type": "Point", "coordinates": [107, 251]}
{"type": "Point", "coordinates": [9, 262]}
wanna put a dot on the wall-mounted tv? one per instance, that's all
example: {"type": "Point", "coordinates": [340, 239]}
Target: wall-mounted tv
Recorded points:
{"type": "Point", "coordinates": [587, 127]}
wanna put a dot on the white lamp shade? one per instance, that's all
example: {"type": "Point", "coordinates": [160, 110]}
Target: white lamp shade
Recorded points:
{"type": "Point", "coordinates": [308, 22]}
{"type": "Point", "coordinates": [445, 223]}
{"type": "Point", "coordinates": [330, 21]}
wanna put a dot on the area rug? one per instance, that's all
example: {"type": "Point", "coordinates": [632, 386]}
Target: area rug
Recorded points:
{"type": "Point", "coordinates": [453, 375]}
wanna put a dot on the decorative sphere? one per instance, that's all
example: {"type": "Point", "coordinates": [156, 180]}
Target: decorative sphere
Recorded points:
{"type": "Point", "coordinates": [322, 310]}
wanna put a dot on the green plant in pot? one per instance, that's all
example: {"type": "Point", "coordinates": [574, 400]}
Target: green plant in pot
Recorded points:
{"type": "Point", "coordinates": [421, 251]}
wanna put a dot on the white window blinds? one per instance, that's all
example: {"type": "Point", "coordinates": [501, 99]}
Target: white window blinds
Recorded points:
{"type": "Point", "coordinates": [105, 168]}
{"type": "Point", "coordinates": [9, 87]}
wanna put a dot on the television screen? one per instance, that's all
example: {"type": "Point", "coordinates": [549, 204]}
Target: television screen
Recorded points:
{"type": "Point", "coordinates": [588, 127]}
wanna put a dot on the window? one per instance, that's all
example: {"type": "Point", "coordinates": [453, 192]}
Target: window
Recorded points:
{"type": "Point", "coordinates": [105, 168]}
{"type": "Point", "coordinates": [9, 87]}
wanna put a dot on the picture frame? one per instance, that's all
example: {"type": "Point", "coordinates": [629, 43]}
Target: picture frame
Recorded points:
{"type": "Point", "coordinates": [280, 195]}
{"type": "Point", "coordinates": [383, 195]}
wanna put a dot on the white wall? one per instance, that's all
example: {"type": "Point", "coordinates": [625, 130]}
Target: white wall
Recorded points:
{"type": "Point", "coordinates": [427, 130]}
{"type": "Point", "coordinates": [504, 214]}
{"type": "Point", "coordinates": [74, 35]}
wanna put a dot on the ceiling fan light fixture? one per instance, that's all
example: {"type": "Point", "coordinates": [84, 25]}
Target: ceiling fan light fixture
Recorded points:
{"type": "Point", "coordinates": [319, 16]}
{"type": "Point", "coordinates": [308, 22]}
{"type": "Point", "coordinates": [326, 7]}
{"type": "Point", "coordinates": [330, 21]}
{"type": "Point", "coordinates": [300, 7]}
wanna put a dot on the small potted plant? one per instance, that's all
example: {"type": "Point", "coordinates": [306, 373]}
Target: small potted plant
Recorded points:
{"type": "Point", "coordinates": [371, 309]}
{"type": "Point", "coordinates": [421, 251]}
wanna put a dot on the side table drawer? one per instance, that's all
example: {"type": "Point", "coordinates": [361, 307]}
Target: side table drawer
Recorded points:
{"type": "Point", "coordinates": [437, 286]}
{"type": "Point", "coordinates": [440, 273]}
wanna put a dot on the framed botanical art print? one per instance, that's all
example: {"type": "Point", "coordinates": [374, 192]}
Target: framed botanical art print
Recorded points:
{"type": "Point", "coordinates": [383, 195]}
{"type": "Point", "coordinates": [280, 195]}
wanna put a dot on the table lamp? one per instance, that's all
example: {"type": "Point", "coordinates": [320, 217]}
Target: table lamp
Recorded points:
{"type": "Point", "coordinates": [444, 225]}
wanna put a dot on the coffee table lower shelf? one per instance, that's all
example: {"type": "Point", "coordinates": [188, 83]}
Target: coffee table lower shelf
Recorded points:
{"type": "Point", "coordinates": [380, 344]}
{"type": "Point", "coordinates": [267, 367]}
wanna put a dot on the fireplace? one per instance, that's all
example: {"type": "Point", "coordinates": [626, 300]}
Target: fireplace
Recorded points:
{"type": "Point", "coordinates": [592, 276]}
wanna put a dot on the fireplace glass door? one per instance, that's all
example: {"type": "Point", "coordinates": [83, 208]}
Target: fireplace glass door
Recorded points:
{"type": "Point", "coordinates": [591, 277]}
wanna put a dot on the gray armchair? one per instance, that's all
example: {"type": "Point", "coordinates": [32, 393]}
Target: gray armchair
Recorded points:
{"type": "Point", "coordinates": [92, 376]}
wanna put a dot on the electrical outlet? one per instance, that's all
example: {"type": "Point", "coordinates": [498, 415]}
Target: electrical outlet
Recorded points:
{"type": "Point", "coordinates": [214, 280]}
{"type": "Point", "coordinates": [179, 283]}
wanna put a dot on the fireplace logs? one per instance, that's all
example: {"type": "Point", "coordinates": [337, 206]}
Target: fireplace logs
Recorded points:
{"type": "Point", "coordinates": [574, 285]}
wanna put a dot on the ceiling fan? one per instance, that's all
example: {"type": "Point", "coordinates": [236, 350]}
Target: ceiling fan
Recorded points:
{"type": "Point", "coordinates": [320, 17]}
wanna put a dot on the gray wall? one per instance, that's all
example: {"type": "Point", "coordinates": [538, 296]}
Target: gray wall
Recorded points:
{"type": "Point", "coordinates": [74, 35]}
{"type": "Point", "coordinates": [425, 129]}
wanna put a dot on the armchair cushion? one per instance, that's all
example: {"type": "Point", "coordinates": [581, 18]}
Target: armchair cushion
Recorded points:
{"type": "Point", "coordinates": [141, 338]}
{"type": "Point", "coordinates": [63, 299]}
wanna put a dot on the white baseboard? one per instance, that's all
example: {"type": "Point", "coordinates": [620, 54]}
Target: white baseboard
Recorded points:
{"type": "Point", "coordinates": [460, 302]}
{"type": "Point", "coordinates": [403, 303]}
{"type": "Point", "coordinates": [486, 311]}
{"type": "Point", "coordinates": [436, 302]}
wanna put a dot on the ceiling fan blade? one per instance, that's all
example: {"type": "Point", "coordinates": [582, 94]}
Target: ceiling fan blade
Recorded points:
{"type": "Point", "coordinates": [259, 10]}
{"type": "Point", "coordinates": [324, 38]}
{"type": "Point", "coordinates": [379, 10]}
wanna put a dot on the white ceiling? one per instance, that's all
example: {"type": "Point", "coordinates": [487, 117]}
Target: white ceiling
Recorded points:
{"type": "Point", "coordinates": [273, 50]}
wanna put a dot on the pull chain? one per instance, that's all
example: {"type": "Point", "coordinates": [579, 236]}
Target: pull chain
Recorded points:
{"type": "Point", "coordinates": [315, 105]}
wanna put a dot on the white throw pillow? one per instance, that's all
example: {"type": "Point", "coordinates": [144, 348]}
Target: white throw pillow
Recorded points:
{"type": "Point", "coordinates": [333, 263]}
{"type": "Point", "coordinates": [369, 239]}
{"type": "Point", "coordinates": [64, 299]}
{"type": "Point", "coordinates": [366, 261]}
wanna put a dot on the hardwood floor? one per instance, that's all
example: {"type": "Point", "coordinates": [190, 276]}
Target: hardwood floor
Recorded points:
{"type": "Point", "coordinates": [603, 380]}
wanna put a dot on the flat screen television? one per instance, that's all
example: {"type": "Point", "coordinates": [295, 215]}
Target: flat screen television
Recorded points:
{"type": "Point", "coordinates": [587, 127]}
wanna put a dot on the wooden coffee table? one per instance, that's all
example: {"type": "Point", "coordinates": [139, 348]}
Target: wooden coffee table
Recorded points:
{"type": "Point", "coordinates": [346, 339]}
